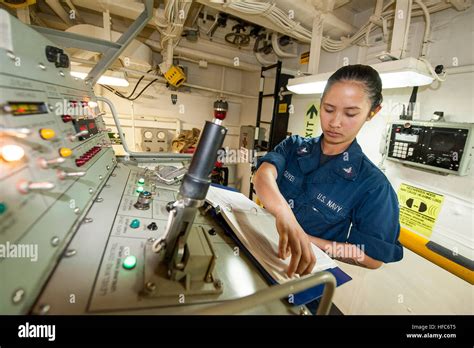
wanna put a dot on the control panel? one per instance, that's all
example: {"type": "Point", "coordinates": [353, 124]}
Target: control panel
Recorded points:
{"type": "Point", "coordinates": [76, 223]}
{"type": "Point", "coordinates": [437, 146]}
{"type": "Point", "coordinates": [55, 156]}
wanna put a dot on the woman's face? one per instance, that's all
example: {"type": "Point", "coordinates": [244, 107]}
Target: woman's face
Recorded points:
{"type": "Point", "coordinates": [344, 110]}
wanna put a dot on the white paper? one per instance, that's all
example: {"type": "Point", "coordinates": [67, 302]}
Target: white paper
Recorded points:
{"type": "Point", "coordinates": [256, 229]}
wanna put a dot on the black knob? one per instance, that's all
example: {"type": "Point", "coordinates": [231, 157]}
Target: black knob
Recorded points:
{"type": "Point", "coordinates": [57, 56]}
{"type": "Point", "coordinates": [169, 206]}
{"type": "Point", "coordinates": [430, 158]}
{"type": "Point", "coordinates": [152, 226]}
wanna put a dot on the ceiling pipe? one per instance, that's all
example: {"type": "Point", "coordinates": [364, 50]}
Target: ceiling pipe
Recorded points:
{"type": "Point", "coordinates": [163, 81]}
{"type": "Point", "coordinates": [215, 59]}
{"type": "Point", "coordinates": [263, 61]}
{"type": "Point", "coordinates": [376, 19]}
{"type": "Point", "coordinates": [199, 55]}
{"type": "Point", "coordinates": [127, 9]}
{"type": "Point", "coordinates": [174, 22]}
{"type": "Point", "coordinates": [303, 13]}
{"type": "Point", "coordinates": [278, 51]}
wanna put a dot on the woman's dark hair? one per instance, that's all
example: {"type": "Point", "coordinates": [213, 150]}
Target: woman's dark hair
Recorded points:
{"type": "Point", "coordinates": [365, 74]}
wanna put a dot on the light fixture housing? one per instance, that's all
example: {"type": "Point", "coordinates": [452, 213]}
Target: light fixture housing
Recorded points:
{"type": "Point", "coordinates": [110, 78]}
{"type": "Point", "coordinates": [407, 72]}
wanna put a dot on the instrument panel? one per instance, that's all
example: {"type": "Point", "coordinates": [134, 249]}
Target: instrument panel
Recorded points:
{"type": "Point", "coordinates": [75, 223]}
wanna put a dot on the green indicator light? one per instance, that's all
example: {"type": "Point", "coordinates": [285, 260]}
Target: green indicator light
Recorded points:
{"type": "Point", "coordinates": [141, 181]}
{"type": "Point", "coordinates": [130, 262]}
{"type": "Point", "coordinates": [135, 223]}
{"type": "Point", "coordinates": [3, 207]}
{"type": "Point", "coordinates": [139, 189]}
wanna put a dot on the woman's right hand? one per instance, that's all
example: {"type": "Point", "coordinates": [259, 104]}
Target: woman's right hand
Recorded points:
{"type": "Point", "coordinates": [293, 239]}
{"type": "Point", "coordinates": [295, 242]}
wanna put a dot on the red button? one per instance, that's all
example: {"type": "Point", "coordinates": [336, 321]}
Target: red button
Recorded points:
{"type": "Point", "coordinates": [66, 118]}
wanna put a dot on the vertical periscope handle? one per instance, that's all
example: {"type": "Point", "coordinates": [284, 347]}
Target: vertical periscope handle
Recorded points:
{"type": "Point", "coordinates": [196, 181]}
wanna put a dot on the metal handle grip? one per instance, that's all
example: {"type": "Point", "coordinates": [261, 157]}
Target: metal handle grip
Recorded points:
{"type": "Point", "coordinates": [277, 292]}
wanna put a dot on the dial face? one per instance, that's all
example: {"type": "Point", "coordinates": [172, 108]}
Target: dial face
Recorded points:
{"type": "Point", "coordinates": [148, 135]}
{"type": "Point", "coordinates": [161, 135]}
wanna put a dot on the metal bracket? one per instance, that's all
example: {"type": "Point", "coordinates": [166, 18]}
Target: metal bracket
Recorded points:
{"type": "Point", "coordinates": [110, 50]}
{"type": "Point", "coordinates": [112, 54]}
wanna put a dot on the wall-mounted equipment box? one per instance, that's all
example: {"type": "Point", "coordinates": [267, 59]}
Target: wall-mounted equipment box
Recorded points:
{"type": "Point", "coordinates": [443, 147]}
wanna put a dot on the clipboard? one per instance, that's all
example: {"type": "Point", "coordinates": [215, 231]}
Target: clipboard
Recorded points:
{"type": "Point", "coordinates": [298, 299]}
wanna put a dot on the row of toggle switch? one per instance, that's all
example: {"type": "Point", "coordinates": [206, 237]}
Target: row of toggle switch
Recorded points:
{"type": "Point", "coordinates": [86, 157]}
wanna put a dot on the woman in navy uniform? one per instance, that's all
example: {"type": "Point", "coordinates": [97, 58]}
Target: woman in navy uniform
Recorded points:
{"type": "Point", "coordinates": [325, 190]}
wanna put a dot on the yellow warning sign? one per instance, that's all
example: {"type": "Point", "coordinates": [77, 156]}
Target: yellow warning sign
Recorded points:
{"type": "Point", "coordinates": [419, 208]}
{"type": "Point", "coordinates": [282, 108]}
{"type": "Point", "coordinates": [311, 120]}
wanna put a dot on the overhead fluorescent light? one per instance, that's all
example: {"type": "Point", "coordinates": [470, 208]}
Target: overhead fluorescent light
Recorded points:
{"type": "Point", "coordinates": [110, 78]}
{"type": "Point", "coordinates": [407, 72]}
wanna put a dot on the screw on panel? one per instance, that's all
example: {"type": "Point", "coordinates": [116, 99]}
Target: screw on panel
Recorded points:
{"type": "Point", "coordinates": [41, 66]}
{"type": "Point", "coordinates": [107, 167]}
{"type": "Point", "coordinates": [77, 211]}
{"type": "Point", "coordinates": [91, 190]}
{"type": "Point", "coordinates": [44, 309]}
{"type": "Point", "coordinates": [18, 295]}
{"type": "Point", "coordinates": [61, 73]}
{"type": "Point", "coordinates": [11, 55]}
{"type": "Point", "coordinates": [55, 241]}
{"type": "Point", "coordinates": [99, 200]}
{"type": "Point", "coordinates": [218, 283]}
{"type": "Point", "coordinates": [150, 286]}
{"type": "Point", "coordinates": [70, 252]}
{"type": "Point", "coordinates": [151, 240]}
{"type": "Point", "coordinates": [87, 220]}
{"type": "Point", "coordinates": [107, 186]}
{"type": "Point", "coordinates": [100, 177]}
